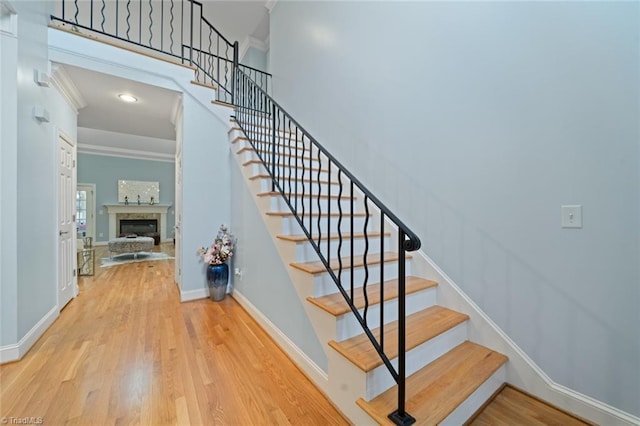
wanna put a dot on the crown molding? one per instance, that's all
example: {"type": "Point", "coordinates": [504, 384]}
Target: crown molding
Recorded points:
{"type": "Point", "coordinates": [66, 87]}
{"type": "Point", "coordinates": [124, 153]}
{"type": "Point", "coordinates": [270, 4]}
{"type": "Point", "coordinates": [254, 42]}
{"type": "Point", "coordinates": [8, 20]}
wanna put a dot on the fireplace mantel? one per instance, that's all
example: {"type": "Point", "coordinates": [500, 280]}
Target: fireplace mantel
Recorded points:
{"type": "Point", "coordinates": [161, 209]}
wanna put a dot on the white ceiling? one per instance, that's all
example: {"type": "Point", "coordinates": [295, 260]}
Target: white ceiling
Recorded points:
{"type": "Point", "coordinates": [151, 116]}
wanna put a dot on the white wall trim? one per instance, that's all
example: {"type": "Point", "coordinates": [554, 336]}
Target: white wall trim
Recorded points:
{"type": "Point", "coordinates": [67, 88]}
{"type": "Point", "coordinates": [250, 41]}
{"type": "Point", "coordinates": [8, 19]}
{"type": "Point", "coordinates": [175, 109]}
{"type": "Point", "coordinates": [270, 4]}
{"type": "Point", "coordinates": [531, 375]}
{"type": "Point", "coordinates": [187, 296]}
{"type": "Point", "coordinates": [124, 153]}
{"type": "Point", "coordinates": [297, 355]}
{"type": "Point", "coordinates": [15, 352]}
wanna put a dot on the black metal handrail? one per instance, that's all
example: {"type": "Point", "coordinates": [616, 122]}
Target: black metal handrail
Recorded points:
{"type": "Point", "coordinates": [175, 28]}
{"type": "Point", "coordinates": [292, 156]}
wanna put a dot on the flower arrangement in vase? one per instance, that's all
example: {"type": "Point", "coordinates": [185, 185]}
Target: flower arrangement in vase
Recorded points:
{"type": "Point", "coordinates": [216, 256]}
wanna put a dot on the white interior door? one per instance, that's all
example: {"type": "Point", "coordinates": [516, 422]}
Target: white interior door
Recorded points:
{"type": "Point", "coordinates": [86, 210]}
{"type": "Point", "coordinates": [67, 280]}
{"type": "Point", "coordinates": [178, 202]}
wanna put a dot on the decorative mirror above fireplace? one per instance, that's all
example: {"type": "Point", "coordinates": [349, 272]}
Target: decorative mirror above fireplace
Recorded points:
{"type": "Point", "coordinates": [132, 189]}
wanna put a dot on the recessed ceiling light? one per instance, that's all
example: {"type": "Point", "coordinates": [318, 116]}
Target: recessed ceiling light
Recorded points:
{"type": "Point", "coordinates": [127, 98]}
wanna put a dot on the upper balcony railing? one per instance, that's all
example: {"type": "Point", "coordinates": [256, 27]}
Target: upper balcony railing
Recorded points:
{"type": "Point", "coordinates": [176, 29]}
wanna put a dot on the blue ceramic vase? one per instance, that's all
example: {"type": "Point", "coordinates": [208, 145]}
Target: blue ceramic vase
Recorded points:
{"type": "Point", "coordinates": [217, 279]}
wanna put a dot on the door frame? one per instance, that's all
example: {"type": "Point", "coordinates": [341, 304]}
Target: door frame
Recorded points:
{"type": "Point", "coordinates": [90, 220]}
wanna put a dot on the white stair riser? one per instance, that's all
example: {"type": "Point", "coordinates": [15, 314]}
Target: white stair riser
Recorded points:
{"type": "Point", "coordinates": [347, 326]}
{"type": "Point", "coordinates": [257, 134]}
{"type": "Point", "coordinates": [265, 186]}
{"type": "Point", "coordinates": [323, 284]}
{"type": "Point", "coordinates": [290, 225]}
{"type": "Point", "coordinates": [306, 174]}
{"type": "Point", "coordinates": [379, 379]}
{"type": "Point", "coordinates": [282, 161]}
{"type": "Point", "coordinates": [306, 253]}
{"type": "Point", "coordinates": [283, 148]}
{"type": "Point", "coordinates": [322, 205]}
{"type": "Point", "coordinates": [473, 403]}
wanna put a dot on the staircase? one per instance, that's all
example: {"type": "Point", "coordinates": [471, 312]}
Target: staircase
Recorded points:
{"type": "Point", "coordinates": [448, 377]}
{"type": "Point", "coordinates": [395, 355]}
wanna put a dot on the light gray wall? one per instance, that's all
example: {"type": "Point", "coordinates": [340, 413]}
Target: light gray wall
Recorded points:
{"type": "Point", "coordinates": [105, 171]}
{"type": "Point", "coordinates": [8, 188]}
{"type": "Point", "coordinates": [265, 281]}
{"type": "Point", "coordinates": [255, 58]}
{"type": "Point", "coordinates": [206, 197]}
{"type": "Point", "coordinates": [32, 289]}
{"type": "Point", "coordinates": [475, 122]}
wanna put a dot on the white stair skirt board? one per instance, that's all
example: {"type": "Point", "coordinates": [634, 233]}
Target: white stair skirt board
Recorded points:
{"type": "Point", "coordinates": [306, 365]}
{"type": "Point", "coordinates": [15, 352]}
{"type": "Point", "coordinates": [522, 371]}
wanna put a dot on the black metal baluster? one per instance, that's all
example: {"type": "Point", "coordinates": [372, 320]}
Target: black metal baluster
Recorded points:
{"type": "Point", "coordinates": [128, 17]}
{"type": "Point", "coordinates": [91, 14]}
{"type": "Point", "coordinates": [302, 176]}
{"type": "Point", "coordinates": [319, 197]}
{"type": "Point", "coordinates": [364, 259]}
{"type": "Point", "coordinates": [140, 23]}
{"type": "Point", "coordinates": [382, 280]}
{"type": "Point", "coordinates": [162, 25]}
{"type": "Point", "coordinates": [329, 210]}
{"type": "Point", "coordinates": [171, 27]}
{"type": "Point", "coordinates": [210, 56]}
{"type": "Point", "coordinates": [117, 17]}
{"type": "Point", "coordinates": [273, 149]}
{"type": "Point", "coordinates": [150, 23]}
{"type": "Point", "coordinates": [102, 14]}
{"type": "Point", "coordinates": [182, 30]}
{"type": "Point", "coordinates": [290, 154]}
{"type": "Point", "coordinates": [339, 226]}
{"type": "Point", "coordinates": [77, 11]}
{"type": "Point", "coordinates": [191, 37]}
{"type": "Point", "coordinates": [218, 59]}
{"type": "Point", "coordinates": [226, 67]}
{"type": "Point", "coordinates": [310, 189]}
{"type": "Point", "coordinates": [351, 231]}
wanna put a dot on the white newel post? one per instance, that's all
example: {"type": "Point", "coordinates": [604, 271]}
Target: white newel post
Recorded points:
{"type": "Point", "coordinates": [115, 209]}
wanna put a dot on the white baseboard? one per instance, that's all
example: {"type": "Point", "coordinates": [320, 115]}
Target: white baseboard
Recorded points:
{"type": "Point", "coordinates": [522, 371]}
{"type": "Point", "coordinates": [309, 368]}
{"type": "Point", "coordinates": [15, 352]}
{"type": "Point", "coordinates": [189, 295]}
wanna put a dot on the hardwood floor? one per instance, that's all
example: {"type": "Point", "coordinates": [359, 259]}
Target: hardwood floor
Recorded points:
{"type": "Point", "coordinates": [127, 352]}
{"type": "Point", "coordinates": [511, 407]}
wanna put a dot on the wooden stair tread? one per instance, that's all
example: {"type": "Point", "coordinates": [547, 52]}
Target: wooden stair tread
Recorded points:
{"type": "Point", "coordinates": [280, 154]}
{"type": "Point", "coordinates": [335, 305]}
{"type": "Point", "coordinates": [268, 128]}
{"type": "Point", "coordinates": [436, 390]}
{"type": "Point", "coordinates": [207, 85]}
{"type": "Point", "coordinates": [306, 168]}
{"type": "Point", "coordinates": [301, 238]}
{"type": "Point", "coordinates": [421, 327]}
{"type": "Point", "coordinates": [233, 120]}
{"type": "Point", "coordinates": [315, 214]}
{"type": "Point", "coordinates": [317, 267]}
{"type": "Point", "coordinates": [294, 179]}
{"type": "Point", "coordinates": [224, 104]}
{"type": "Point", "coordinates": [315, 196]}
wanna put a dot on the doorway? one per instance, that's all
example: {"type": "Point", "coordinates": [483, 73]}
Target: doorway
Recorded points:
{"type": "Point", "coordinates": [67, 279]}
{"type": "Point", "coordinates": [85, 211]}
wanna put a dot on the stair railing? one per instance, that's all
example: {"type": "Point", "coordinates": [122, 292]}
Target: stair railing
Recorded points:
{"type": "Point", "coordinates": [174, 28]}
{"type": "Point", "coordinates": [289, 152]}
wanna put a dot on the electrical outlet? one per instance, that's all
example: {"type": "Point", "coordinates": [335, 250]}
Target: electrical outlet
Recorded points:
{"type": "Point", "coordinates": [571, 216]}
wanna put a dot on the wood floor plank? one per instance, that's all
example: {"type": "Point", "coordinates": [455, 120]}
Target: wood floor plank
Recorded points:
{"type": "Point", "coordinates": [127, 352]}
{"type": "Point", "coordinates": [512, 407]}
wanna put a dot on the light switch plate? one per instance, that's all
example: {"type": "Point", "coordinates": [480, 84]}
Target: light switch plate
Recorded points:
{"type": "Point", "coordinates": [571, 216]}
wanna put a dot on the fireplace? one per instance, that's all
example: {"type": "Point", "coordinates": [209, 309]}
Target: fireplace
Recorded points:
{"type": "Point", "coordinates": [138, 226]}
